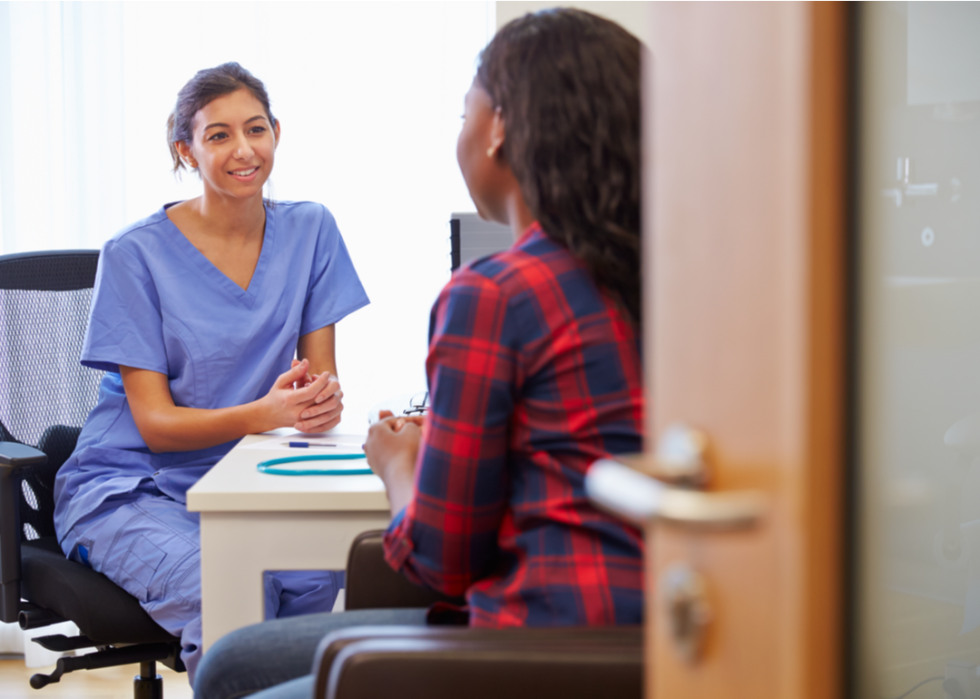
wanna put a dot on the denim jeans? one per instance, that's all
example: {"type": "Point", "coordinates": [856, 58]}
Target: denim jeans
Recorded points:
{"type": "Point", "coordinates": [267, 655]}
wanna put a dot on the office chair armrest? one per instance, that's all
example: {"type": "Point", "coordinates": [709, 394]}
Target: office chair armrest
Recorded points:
{"type": "Point", "coordinates": [436, 662]}
{"type": "Point", "coordinates": [372, 584]}
{"type": "Point", "coordinates": [13, 457]}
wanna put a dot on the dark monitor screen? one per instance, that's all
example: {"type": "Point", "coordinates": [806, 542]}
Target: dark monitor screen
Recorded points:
{"type": "Point", "coordinates": [473, 238]}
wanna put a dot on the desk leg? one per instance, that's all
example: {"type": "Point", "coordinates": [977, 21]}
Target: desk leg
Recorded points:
{"type": "Point", "coordinates": [231, 577]}
{"type": "Point", "coordinates": [237, 547]}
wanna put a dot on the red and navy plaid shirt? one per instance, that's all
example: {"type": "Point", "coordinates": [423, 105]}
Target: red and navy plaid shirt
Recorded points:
{"type": "Point", "coordinates": [533, 375]}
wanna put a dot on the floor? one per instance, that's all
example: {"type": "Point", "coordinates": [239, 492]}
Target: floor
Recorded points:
{"type": "Point", "coordinates": [108, 683]}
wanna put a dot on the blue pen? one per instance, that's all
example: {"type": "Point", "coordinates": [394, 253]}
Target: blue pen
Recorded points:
{"type": "Point", "coordinates": [307, 445]}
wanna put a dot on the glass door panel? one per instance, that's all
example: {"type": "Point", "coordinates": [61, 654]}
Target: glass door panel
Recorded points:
{"type": "Point", "coordinates": [918, 366]}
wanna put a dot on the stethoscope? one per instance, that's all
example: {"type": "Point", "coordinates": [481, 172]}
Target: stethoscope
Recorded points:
{"type": "Point", "coordinates": [272, 466]}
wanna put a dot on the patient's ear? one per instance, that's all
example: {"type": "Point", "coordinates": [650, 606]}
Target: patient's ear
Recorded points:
{"type": "Point", "coordinates": [276, 132]}
{"type": "Point", "coordinates": [497, 131]}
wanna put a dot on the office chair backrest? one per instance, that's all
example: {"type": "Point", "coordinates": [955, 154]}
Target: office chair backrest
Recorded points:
{"type": "Point", "coordinates": [45, 394]}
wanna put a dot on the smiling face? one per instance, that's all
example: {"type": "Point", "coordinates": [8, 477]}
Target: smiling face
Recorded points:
{"type": "Point", "coordinates": [233, 146]}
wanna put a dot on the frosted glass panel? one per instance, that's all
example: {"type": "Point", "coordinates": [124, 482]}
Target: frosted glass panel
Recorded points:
{"type": "Point", "coordinates": [943, 52]}
{"type": "Point", "coordinates": [918, 371]}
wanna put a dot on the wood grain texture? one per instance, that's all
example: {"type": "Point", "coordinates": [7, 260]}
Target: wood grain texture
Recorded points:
{"type": "Point", "coordinates": [744, 229]}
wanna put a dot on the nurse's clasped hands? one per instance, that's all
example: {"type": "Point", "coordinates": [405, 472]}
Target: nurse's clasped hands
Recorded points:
{"type": "Point", "coordinates": [331, 397]}
{"type": "Point", "coordinates": [306, 403]}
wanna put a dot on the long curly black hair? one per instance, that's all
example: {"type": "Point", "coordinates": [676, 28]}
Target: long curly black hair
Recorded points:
{"type": "Point", "coordinates": [567, 84]}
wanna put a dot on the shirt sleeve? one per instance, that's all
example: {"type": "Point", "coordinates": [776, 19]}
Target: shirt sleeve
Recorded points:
{"type": "Point", "coordinates": [125, 324]}
{"type": "Point", "coordinates": [335, 289]}
{"type": "Point", "coordinates": [446, 538]}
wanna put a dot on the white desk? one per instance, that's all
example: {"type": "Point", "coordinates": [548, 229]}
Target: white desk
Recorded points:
{"type": "Point", "coordinates": [252, 522]}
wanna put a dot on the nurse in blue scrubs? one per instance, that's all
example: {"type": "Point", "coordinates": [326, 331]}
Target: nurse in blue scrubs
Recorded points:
{"type": "Point", "coordinates": [214, 318]}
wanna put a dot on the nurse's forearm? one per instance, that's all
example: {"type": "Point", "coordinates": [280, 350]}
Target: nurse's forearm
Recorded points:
{"type": "Point", "coordinates": [319, 348]}
{"type": "Point", "coordinates": [166, 429]}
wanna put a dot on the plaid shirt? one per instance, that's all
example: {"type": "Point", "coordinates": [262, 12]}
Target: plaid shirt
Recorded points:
{"type": "Point", "coordinates": [533, 375]}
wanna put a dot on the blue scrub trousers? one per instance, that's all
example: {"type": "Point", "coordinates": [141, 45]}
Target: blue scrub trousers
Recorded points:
{"type": "Point", "coordinates": [150, 545]}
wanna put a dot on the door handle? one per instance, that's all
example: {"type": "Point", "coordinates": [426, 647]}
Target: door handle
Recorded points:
{"type": "Point", "coordinates": [639, 498]}
{"type": "Point", "coordinates": [643, 496]}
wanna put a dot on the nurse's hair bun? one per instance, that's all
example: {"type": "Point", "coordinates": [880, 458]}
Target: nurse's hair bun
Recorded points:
{"type": "Point", "coordinates": [199, 91]}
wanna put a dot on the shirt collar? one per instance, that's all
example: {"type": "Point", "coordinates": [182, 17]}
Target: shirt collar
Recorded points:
{"type": "Point", "coordinates": [535, 227]}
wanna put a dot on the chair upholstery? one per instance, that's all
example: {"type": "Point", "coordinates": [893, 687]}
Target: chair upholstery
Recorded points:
{"type": "Point", "coordinates": [436, 662]}
{"type": "Point", "coordinates": [102, 610]}
{"type": "Point", "coordinates": [372, 584]}
{"type": "Point", "coordinates": [45, 394]}
{"type": "Point", "coordinates": [433, 662]}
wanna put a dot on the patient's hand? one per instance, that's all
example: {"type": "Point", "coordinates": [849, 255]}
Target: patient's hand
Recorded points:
{"type": "Point", "coordinates": [402, 420]}
{"type": "Point", "coordinates": [391, 448]}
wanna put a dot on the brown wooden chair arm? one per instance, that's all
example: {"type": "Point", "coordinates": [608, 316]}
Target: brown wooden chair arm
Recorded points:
{"type": "Point", "coordinates": [433, 662]}
{"type": "Point", "coordinates": [372, 584]}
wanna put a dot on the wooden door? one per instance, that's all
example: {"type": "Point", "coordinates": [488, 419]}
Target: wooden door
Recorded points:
{"type": "Point", "coordinates": [744, 331]}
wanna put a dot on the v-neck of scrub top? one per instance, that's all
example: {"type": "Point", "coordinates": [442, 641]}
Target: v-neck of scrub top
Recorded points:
{"type": "Point", "coordinates": [211, 271]}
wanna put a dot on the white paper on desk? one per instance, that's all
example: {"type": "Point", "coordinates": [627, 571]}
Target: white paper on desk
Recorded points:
{"type": "Point", "coordinates": [341, 444]}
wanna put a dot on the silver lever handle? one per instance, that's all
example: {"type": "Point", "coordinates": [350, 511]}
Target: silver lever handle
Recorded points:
{"type": "Point", "coordinates": [639, 498]}
{"type": "Point", "coordinates": [681, 456]}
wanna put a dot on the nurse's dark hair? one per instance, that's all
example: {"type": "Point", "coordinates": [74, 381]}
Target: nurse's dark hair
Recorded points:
{"type": "Point", "coordinates": [567, 84]}
{"type": "Point", "coordinates": [200, 90]}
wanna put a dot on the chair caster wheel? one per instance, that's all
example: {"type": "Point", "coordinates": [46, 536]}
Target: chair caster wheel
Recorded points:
{"type": "Point", "coordinates": [39, 681]}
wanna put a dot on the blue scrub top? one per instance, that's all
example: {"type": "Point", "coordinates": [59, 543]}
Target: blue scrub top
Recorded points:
{"type": "Point", "coordinates": [159, 304]}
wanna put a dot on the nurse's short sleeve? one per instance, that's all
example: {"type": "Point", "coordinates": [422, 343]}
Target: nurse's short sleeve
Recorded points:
{"type": "Point", "coordinates": [335, 289]}
{"type": "Point", "coordinates": [125, 325]}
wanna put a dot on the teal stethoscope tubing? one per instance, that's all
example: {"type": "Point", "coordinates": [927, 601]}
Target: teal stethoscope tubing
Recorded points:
{"type": "Point", "coordinates": [271, 466]}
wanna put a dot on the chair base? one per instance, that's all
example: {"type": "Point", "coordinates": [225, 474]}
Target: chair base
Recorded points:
{"type": "Point", "coordinates": [136, 651]}
{"type": "Point", "coordinates": [147, 685]}
{"type": "Point", "coordinates": [63, 644]}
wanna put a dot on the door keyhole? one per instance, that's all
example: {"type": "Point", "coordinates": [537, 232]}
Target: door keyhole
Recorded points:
{"type": "Point", "coordinates": [688, 613]}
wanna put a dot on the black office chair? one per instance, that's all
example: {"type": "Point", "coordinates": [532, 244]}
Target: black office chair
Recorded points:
{"type": "Point", "coordinates": [45, 396]}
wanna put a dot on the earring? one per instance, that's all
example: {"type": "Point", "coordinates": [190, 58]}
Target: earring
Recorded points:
{"type": "Point", "coordinates": [491, 151]}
